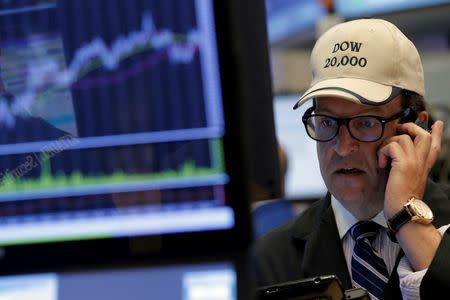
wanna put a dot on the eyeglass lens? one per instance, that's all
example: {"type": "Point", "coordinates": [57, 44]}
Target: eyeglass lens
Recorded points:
{"type": "Point", "coordinates": [323, 128]}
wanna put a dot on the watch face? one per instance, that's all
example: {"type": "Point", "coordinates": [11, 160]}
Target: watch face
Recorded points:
{"type": "Point", "coordinates": [422, 210]}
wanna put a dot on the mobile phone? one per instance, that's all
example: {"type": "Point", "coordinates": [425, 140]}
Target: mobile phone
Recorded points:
{"type": "Point", "coordinates": [412, 117]}
{"type": "Point", "coordinates": [421, 124]}
{"type": "Point", "coordinates": [356, 294]}
{"type": "Point", "coordinates": [326, 287]}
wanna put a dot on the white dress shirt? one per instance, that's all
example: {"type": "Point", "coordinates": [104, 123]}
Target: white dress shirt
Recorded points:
{"type": "Point", "coordinates": [409, 280]}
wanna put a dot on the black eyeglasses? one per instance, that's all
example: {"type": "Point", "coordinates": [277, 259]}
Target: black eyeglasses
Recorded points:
{"type": "Point", "coordinates": [324, 128]}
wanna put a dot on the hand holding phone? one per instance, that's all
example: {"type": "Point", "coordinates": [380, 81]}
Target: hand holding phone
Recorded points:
{"type": "Point", "coordinates": [412, 153]}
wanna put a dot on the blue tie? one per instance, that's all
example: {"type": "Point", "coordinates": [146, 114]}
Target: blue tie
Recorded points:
{"type": "Point", "coordinates": [368, 268]}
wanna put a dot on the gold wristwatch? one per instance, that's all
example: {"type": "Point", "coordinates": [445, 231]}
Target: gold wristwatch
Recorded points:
{"type": "Point", "coordinates": [414, 210]}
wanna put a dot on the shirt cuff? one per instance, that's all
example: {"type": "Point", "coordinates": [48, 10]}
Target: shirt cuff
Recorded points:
{"type": "Point", "coordinates": [409, 280]}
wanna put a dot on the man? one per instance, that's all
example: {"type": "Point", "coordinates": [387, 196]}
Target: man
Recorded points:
{"type": "Point", "coordinates": [367, 92]}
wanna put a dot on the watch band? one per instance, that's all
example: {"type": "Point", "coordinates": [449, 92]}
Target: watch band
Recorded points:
{"type": "Point", "coordinates": [397, 221]}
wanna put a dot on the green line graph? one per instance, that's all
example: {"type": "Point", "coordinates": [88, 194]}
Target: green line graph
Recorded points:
{"type": "Point", "coordinates": [47, 180]}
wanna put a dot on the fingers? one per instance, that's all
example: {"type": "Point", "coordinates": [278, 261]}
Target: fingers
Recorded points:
{"type": "Point", "coordinates": [436, 141]}
{"type": "Point", "coordinates": [391, 151]}
{"type": "Point", "coordinates": [419, 140]}
{"type": "Point", "coordinates": [420, 135]}
{"type": "Point", "coordinates": [398, 148]}
{"type": "Point", "coordinates": [383, 159]}
{"type": "Point", "coordinates": [412, 143]}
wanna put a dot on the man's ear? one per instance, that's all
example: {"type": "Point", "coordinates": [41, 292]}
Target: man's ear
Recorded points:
{"type": "Point", "coordinates": [422, 120]}
{"type": "Point", "coordinates": [423, 116]}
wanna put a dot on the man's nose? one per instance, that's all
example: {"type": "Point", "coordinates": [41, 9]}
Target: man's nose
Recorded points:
{"type": "Point", "coordinates": [344, 142]}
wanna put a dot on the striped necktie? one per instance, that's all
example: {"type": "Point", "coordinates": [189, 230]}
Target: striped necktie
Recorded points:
{"type": "Point", "coordinates": [368, 268]}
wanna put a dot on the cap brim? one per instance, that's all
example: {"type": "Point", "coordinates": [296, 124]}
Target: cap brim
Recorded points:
{"type": "Point", "coordinates": [352, 89]}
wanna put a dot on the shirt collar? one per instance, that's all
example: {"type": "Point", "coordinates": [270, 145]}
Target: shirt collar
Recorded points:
{"type": "Point", "coordinates": [345, 220]}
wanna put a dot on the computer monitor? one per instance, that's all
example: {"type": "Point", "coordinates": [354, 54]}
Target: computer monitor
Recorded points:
{"type": "Point", "coordinates": [199, 280]}
{"type": "Point", "coordinates": [133, 129]}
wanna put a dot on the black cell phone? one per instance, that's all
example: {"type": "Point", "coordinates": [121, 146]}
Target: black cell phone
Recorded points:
{"type": "Point", "coordinates": [326, 287]}
{"type": "Point", "coordinates": [413, 117]}
{"type": "Point", "coordinates": [410, 117]}
{"type": "Point", "coordinates": [421, 124]}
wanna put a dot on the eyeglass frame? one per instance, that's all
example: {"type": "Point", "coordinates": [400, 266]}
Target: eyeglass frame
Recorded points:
{"type": "Point", "coordinates": [406, 114]}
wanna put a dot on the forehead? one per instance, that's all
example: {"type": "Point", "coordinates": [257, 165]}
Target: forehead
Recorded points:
{"type": "Point", "coordinates": [340, 106]}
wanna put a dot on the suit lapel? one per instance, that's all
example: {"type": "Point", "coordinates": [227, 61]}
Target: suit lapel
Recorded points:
{"type": "Point", "coordinates": [323, 252]}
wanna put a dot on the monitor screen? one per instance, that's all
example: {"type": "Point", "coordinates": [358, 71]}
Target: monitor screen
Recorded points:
{"type": "Point", "coordinates": [368, 8]}
{"type": "Point", "coordinates": [303, 179]}
{"type": "Point", "coordinates": [123, 119]}
{"type": "Point", "coordinates": [216, 280]}
{"type": "Point", "coordinates": [287, 19]}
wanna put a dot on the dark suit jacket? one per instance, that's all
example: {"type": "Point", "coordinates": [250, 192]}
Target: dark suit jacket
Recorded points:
{"type": "Point", "coordinates": [310, 246]}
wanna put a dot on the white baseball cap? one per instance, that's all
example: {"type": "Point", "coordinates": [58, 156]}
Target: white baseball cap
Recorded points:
{"type": "Point", "coordinates": [367, 61]}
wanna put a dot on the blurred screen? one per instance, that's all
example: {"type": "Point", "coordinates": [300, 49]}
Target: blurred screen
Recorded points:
{"type": "Point", "coordinates": [112, 120]}
{"type": "Point", "coordinates": [366, 8]}
{"type": "Point", "coordinates": [303, 179]}
{"type": "Point", "coordinates": [288, 18]}
{"type": "Point", "coordinates": [199, 281]}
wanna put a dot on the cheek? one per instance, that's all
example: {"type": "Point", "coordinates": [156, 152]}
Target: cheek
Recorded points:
{"type": "Point", "coordinates": [370, 156]}
{"type": "Point", "coordinates": [390, 130]}
{"type": "Point", "coordinates": [367, 155]}
{"type": "Point", "coordinates": [324, 154]}
{"type": "Point", "coordinates": [370, 151]}
{"type": "Point", "coordinates": [321, 150]}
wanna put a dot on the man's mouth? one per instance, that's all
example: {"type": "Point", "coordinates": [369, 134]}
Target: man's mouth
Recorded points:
{"type": "Point", "coordinates": [349, 171]}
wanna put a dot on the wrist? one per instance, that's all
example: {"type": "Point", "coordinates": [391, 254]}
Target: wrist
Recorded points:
{"type": "Point", "coordinates": [414, 210]}
{"type": "Point", "coordinates": [391, 210]}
